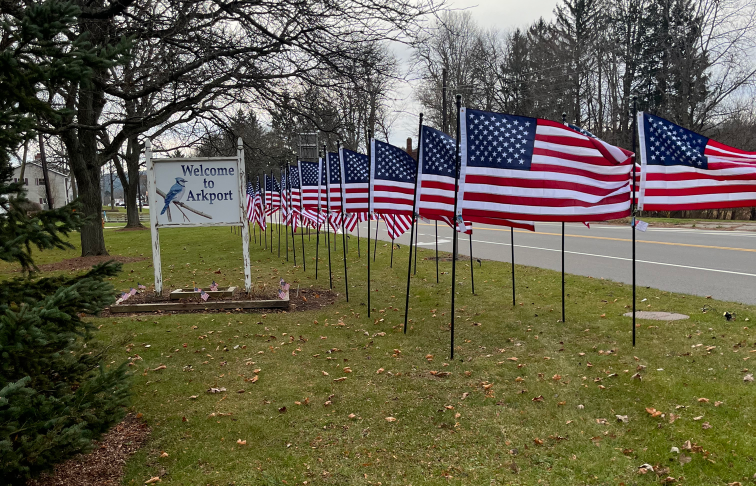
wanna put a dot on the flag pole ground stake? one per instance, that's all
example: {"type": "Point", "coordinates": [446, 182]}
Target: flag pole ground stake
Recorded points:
{"type": "Point", "coordinates": [454, 226]}
{"type": "Point", "coordinates": [412, 227]}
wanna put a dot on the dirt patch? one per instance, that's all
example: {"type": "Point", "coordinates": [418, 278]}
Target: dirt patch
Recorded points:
{"type": "Point", "coordinates": [82, 263]}
{"type": "Point", "coordinates": [300, 300]}
{"type": "Point", "coordinates": [104, 465]}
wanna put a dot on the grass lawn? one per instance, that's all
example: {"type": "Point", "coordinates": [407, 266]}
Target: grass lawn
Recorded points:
{"type": "Point", "coordinates": [526, 400]}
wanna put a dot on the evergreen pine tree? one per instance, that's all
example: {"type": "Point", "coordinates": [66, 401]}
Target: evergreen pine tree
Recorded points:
{"type": "Point", "coordinates": [55, 395]}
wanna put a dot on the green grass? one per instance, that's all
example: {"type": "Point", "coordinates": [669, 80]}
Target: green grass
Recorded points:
{"type": "Point", "coordinates": [686, 221]}
{"type": "Point", "coordinates": [451, 430]}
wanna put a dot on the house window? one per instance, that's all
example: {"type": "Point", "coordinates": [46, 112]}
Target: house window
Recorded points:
{"type": "Point", "coordinates": [40, 182]}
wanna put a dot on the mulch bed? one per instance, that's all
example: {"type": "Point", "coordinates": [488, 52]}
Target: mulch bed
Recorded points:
{"type": "Point", "coordinates": [82, 263]}
{"type": "Point", "coordinates": [104, 465]}
{"type": "Point", "coordinates": [299, 301]}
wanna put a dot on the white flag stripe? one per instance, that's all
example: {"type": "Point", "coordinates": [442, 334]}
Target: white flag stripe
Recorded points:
{"type": "Point", "coordinates": [596, 169]}
{"type": "Point", "coordinates": [509, 174]}
{"type": "Point", "coordinates": [555, 210]}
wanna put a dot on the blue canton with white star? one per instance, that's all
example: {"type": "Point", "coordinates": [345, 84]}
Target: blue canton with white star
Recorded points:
{"type": "Point", "coordinates": [581, 131]}
{"type": "Point", "coordinates": [333, 168]}
{"type": "Point", "coordinates": [499, 141]}
{"type": "Point", "coordinates": [355, 167]}
{"type": "Point", "coordinates": [393, 163]}
{"type": "Point", "coordinates": [438, 152]}
{"type": "Point", "coordinates": [294, 177]}
{"type": "Point", "coordinates": [271, 184]}
{"type": "Point", "coordinates": [309, 173]}
{"type": "Point", "coordinates": [670, 144]}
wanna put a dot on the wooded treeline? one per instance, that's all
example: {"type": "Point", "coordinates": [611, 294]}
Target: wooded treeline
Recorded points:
{"type": "Point", "coordinates": [193, 75]}
{"type": "Point", "coordinates": [690, 61]}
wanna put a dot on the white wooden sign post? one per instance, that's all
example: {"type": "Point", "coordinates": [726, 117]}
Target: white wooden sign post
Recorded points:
{"type": "Point", "coordinates": [199, 191]}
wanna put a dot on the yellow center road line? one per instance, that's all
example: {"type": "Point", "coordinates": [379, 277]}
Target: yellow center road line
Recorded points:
{"type": "Point", "coordinates": [614, 239]}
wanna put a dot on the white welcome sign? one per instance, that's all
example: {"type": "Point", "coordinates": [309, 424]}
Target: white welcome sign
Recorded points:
{"type": "Point", "coordinates": [200, 191]}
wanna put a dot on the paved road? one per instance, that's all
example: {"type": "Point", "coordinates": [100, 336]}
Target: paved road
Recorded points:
{"type": "Point", "coordinates": [701, 262]}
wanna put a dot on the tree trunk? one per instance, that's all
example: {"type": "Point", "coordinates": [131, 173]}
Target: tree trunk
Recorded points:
{"type": "Point", "coordinates": [85, 164]}
{"type": "Point", "coordinates": [88, 179]}
{"type": "Point", "coordinates": [130, 183]}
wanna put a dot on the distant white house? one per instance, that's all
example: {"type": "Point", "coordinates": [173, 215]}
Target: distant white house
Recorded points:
{"type": "Point", "coordinates": [34, 183]}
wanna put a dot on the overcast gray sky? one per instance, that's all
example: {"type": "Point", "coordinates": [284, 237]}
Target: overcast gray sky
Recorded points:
{"type": "Point", "coordinates": [503, 15]}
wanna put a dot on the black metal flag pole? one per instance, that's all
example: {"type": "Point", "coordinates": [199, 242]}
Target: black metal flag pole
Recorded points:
{"type": "Point", "coordinates": [292, 216]}
{"type": "Point", "coordinates": [317, 225]}
{"type": "Point", "coordinates": [271, 211]}
{"type": "Point", "coordinates": [564, 122]}
{"type": "Point", "coordinates": [634, 126]}
{"type": "Point", "coordinates": [391, 265]}
{"type": "Point", "coordinates": [285, 194]}
{"type": "Point", "coordinates": [370, 178]}
{"type": "Point", "coordinates": [280, 210]}
{"type": "Point", "coordinates": [511, 237]}
{"type": "Point", "coordinates": [415, 208]}
{"type": "Point", "coordinates": [343, 225]}
{"type": "Point", "coordinates": [563, 315]}
{"type": "Point", "coordinates": [454, 225]}
{"type": "Point", "coordinates": [472, 272]}
{"type": "Point", "coordinates": [263, 215]}
{"type": "Point", "coordinates": [443, 129]}
{"type": "Point", "coordinates": [328, 214]}
{"type": "Point", "coordinates": [436, 251]}
{"type": "Point", "coordinates": [417, 235]}
{"type": "Point", "coordinates": [375, 244]}
{"type": "Point", "coordinates": [301, 230]}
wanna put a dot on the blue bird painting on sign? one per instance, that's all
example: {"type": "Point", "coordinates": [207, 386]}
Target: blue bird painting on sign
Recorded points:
{"type": "Point", "coordinates": [175, 194]}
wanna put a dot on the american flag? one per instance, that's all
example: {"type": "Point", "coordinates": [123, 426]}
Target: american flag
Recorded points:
{"type": "Point", "coordinates": [255, 212]}
{"type": "Point", "coordinates": [250, 201]}
{"type": "Point", "coordinates": [397, 224]}
{"type": "Point", "coordinates": [284, 197]}
{"type": "Point", "coordinates": [683, 170]}
{"type": "Point", "coordinates": [355, 181]}
{"type": "Point", "coordinates": [392, 187]}
{"type": "Point", "coordinates": [272, 194]}
{"type": "Point", "coordinates": [516, 167]}
{"type": "Point", "coordinates": [295, 197]}
{"type": "Point", "coordinates": [333, 168]}
{"type": "Point", "coordinates": [309, 176]}
{"type": "Point", "coordinates": [296, 194]}
{"type": "Point", "coordinates": [626, 153]}
{"type": "Point", "coordinates": [435, 193]}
